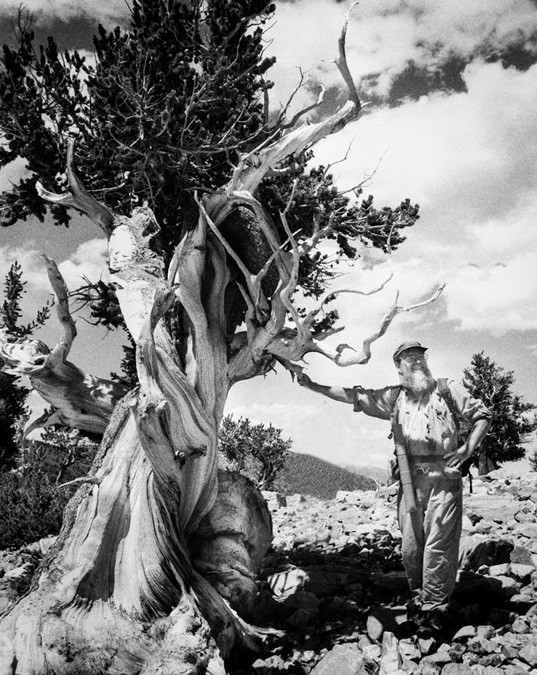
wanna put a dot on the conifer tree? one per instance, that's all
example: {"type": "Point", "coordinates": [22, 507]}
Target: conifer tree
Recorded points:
{"type": "Point", "coordinates": [12, 394]}
{"type": "Point", "coordinates": [513, 419]}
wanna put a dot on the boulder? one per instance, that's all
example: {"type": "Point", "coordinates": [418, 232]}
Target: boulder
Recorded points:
{"type": "Point", "coordinates": [374, 627]}
{"type": "Point", "coordinates": [528, 654]}
{"type": "Point", "coordinates": [465, 633]}
{"type": "Point", "coordinates": [341, 659]}
{"type": "Point", "coordinates": [455, 669]}
{"type": "Point", "coordinates": [528, 530]}
{"type": "Point", "coordinates": [287, 582]}
{"type": "Point", "coordinates": [499, 570]}
{"type": "Point", "coordinates": [521, 555]}
{"type": "Point", "coordinates": [330, 580]}
{"type": "Point", "coordinates": [302, 600]}
{"type": "Point", "coordinates": [390, 660]}
{"type": "Point", "coordinates": [300, 618]}
{"type": "Point", "coordinates": [478, 550]}
{"type": "Point", "coordinates": [521, 572]}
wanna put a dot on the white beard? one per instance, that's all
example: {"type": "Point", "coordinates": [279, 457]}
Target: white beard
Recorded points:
{"type": "Point", "coordinates": [417, 381]}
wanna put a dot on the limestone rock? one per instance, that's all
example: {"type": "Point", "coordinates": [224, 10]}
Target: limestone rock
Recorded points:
{"type": "Point", "coordinates": [478, 550]}
{"type": "Point", "coordinates": [409, 650]}
{"type": "Point", "coordinates": [390, 660]}
{"type": "Point", "coordinates": [521, 572]}
{"type": "Point", "coordinates": [520, 554]}
{"type": "Point", "coordinates": [341, 659]}
{"type": "Point", "coordinates": [465, 633]}
{"type": "Point", "coordinates": [499, 570]}
{"type": "Point", "coordinates": [374, 627]}
{"type": "Point", "coordinates": [528, 654]}
{"type": "Point", "coordinates": [287, 582]}
{"type": "Point", "coordinates": [454, 669]}
{"type": "Point", "coordinates": [528, 530]}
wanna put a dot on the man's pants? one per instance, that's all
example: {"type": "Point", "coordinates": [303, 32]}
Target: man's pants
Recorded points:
{"type": "Point", "coordinates": [431, 537]}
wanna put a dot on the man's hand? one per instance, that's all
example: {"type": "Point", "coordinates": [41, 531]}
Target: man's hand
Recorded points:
{"type": "Point", "coordinates": [457, 457]}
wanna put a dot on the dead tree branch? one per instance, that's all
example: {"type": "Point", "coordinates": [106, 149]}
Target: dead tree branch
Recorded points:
{"type": "Point", "coordinates": [78, 197]}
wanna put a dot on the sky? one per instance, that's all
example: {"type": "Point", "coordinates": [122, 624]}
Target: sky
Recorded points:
{"type": "Point", "coordinates": [450, 122]}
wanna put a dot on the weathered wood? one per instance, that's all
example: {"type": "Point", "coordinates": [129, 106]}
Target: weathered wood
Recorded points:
{"type": "Point", "coordinates": [119, 592]}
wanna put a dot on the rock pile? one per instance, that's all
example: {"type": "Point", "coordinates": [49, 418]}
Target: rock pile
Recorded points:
{"type": "Point", "coordinates": [335, 582]}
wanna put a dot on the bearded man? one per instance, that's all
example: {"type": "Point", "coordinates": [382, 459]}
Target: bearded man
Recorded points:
{"type": "Point", "coordinates": [427, 414]}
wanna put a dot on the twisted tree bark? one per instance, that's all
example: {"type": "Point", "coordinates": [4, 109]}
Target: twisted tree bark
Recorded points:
{"type": "Point", "coordinates": [121, 591]}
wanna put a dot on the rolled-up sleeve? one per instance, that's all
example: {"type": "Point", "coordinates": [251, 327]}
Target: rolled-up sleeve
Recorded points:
{"type": "Point", "coordinates": [374, 402]}
{"type": "Point", "coordinates": [472, 409]}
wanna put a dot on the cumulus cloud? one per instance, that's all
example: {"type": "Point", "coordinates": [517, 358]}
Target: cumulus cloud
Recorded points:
{"type": "Point", "coordinates": [386, 36]}
{"type": "Point", "coordinates": [466, 159]}
{"type": "Point", "coordinates": [498, 298]}
{"type": "Point", "coordinates": [467, 149]}
{"type": "Point", "coordinates": [45, 11]}
{"type": "Point", "coordinates": [88, 261]}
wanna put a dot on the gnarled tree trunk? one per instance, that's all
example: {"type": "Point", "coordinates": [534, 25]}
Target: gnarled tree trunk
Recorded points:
{"type": "Point", "coordinates": [121, 592]}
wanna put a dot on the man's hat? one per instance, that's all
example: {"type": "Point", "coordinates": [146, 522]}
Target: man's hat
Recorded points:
{"type": "Point", "coordinates": [407, 345]}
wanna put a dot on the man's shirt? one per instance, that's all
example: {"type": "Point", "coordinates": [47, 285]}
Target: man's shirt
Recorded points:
{"type": "Point", "coordinates": [428, 425]}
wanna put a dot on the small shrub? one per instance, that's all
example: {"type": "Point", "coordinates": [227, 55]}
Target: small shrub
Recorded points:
{"type": "Point", "coordinates": [257, 451]}
{"type": "Point", "coordinates": [32, 496]}
{"type": "Point", "coordinates": [31, 507]}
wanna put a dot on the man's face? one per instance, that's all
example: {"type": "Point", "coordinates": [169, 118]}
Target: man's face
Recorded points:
{"type": "Point", "coordinates": [412, 360]}
{"type": "Point", "coordinates": [413, 370]}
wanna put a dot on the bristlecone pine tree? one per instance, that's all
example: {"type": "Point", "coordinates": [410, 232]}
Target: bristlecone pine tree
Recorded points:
{"type": "Point", "coordinates": [512, 419]}
{"type": "Point", "coordinates": [213, 221]}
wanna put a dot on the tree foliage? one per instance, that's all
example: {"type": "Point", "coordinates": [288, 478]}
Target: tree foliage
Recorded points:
{"type": "Point", "coordinates": [36, 493]}
{"type": "Point", "coordinates": [513, 421]}
{"type": "Point", "coordinates": [165, 112]}
{"type": "Point", "coordinates": [12, 394]}
{"type": "Point", "coordinates": [256, 450]}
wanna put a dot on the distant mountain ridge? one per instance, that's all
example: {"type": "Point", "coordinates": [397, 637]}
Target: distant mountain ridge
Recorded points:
{"type": "Point", "coordinates": [377, 473]}
{"type": "Point", "coordinates": [308, 475]}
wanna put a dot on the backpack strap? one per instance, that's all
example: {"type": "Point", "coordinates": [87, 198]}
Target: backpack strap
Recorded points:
{"type": "Point", "coordinates": [394, 397]}
{"type": "Point", "coordinates": [445, 392]}
{"type": "Point", "coordinates": [394, 402]}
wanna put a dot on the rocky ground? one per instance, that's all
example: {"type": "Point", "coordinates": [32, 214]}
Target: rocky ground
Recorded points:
{"type": "Point", "coordinates": [333, 584]}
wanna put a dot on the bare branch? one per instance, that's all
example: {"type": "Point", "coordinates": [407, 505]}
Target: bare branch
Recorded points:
{"type": "Point", "coordinates": [341, 62]}
{"type": "Point", "coordinates": [62, 349]}
{"type": "Point", "coordinates": [305, 110]}
{"type": "Point", "coordinates": [328, 294]}
{"type": "Point", "coordinates": [78, 197]}
{"type": "Point", "coordinates": [80, 400]}
{"type": "Point", "coordinates": [290, 346]}
{"type": "Point", "coordinates": [386, 321]}
{"type": "Point", "coordinates": [284, 109]}
{"type": "Point", "coordinates": [292, 282]}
